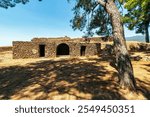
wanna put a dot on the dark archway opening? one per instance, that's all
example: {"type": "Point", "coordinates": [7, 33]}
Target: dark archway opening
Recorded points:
{"type": "Point", "coordinates": [62, 49]}
{"type": "Point", "coordinates": [42, 50]}
{"type": "Point", "coordinates": [82, 50]}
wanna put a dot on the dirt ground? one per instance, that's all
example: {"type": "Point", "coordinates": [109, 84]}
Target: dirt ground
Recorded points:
{"type": "Point", "coordinates": [69, 79]}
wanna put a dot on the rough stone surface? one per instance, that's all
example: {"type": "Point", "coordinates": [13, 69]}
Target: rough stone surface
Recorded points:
{"type": "Point", "coordinates": [136, 47]}
{"type": "Point", "coordinates": [32, 48]}
{"type": "Point", "coordinates": [6, 48]}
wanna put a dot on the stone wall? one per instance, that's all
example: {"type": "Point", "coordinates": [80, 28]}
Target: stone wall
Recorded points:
{"type": "Point", "coordinates": [138, 46]}
{"type": "Point", "coordinates": [31, 49]}
{"type": "Point", "coordinates": [25, 50]}
{"type": "Point", "coordinates": [6, 48]}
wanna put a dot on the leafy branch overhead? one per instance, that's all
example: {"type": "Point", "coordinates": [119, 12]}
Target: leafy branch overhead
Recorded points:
{"type": "Point", "coordinates": [91, 15]}
{"type": "Point", "coordinates": [11, 3]}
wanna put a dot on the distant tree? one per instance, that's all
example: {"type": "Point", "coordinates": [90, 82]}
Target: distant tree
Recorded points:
{"type": "Point", "coordinates": [138, 16]}
{"type": "Point", "coordinates": [108, 13]}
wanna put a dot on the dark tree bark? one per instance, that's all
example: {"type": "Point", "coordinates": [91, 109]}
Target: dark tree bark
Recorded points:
{"type": "Point", "coordinates": [147, 32]}
{"type": "Point", "coordinates": [123, 62]}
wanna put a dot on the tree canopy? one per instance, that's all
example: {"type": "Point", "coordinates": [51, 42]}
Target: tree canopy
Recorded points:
{"type": "Point", "coordinates": [90, 15]}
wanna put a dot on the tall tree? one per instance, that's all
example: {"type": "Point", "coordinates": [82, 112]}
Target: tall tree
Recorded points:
{"type": "Point", "coordinates": [109, 17]}
{"type": "Point", "coordinates": [113, 23]}
{"type": "Point", "coordinates": [138, 16]}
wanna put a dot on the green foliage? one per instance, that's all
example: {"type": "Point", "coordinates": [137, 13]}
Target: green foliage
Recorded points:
{"type": "Point", "coordinates": [91, 17]}
{"type": "Point", "coordinates": [138, 15]}
{"type": "Point", "coordinates": [11, 3]}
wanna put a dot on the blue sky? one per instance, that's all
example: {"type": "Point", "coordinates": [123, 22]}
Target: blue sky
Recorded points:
{"type": "Point", "coordinates": [49, 18]}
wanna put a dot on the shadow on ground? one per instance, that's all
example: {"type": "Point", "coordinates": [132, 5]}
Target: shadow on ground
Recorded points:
{"type": "Point", "coordinates": [65, 79]}
{"type": "Point", "coordinates": [144, 86]}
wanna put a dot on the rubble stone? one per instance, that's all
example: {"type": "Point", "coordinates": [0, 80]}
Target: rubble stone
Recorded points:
{"type": "Point", "coordinates": [48, 47]}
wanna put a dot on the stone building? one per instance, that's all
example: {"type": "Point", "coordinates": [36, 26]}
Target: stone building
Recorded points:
{"type": "Point", "coordinates": [55, 47]}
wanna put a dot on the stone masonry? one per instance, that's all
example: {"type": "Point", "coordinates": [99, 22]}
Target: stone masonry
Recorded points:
{"type": "Point", "coordinates": [55, 47]}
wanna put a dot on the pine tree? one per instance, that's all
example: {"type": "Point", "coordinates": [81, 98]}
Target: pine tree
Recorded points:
{"type": "Point", "coordinates": [105, 19]}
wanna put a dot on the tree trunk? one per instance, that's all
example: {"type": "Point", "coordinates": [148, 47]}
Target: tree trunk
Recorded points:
{"type": "Point", "coordinates": [123, 62]}
{"type": "Point", "coordinates": [146, 32]}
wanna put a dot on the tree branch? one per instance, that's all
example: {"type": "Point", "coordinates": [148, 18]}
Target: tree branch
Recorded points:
{"type": "Point", "coordinates": [101, 2]}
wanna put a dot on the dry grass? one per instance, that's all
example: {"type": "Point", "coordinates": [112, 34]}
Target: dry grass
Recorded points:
{"type": "Point", "coordinates": [62, 78]}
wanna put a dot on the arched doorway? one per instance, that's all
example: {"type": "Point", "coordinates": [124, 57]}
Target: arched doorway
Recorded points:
{"type": "Point", "coordinates": [62, 49]}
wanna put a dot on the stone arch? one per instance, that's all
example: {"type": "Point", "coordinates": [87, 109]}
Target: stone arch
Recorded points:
{"type": "Point", "coordinates": [62, 49]}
